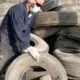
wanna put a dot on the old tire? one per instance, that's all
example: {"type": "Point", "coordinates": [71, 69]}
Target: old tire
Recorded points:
{"type": "Point", "coordinates": [72, 65]}
{"type": "Point", "coordinates": [70, 58]}
{"type": "Point", "coordinates": [40, 44]}
{"type": "Point", "coordinates": [46, 32]}
{"type": "Point", "coordinates": [51, 4]}
{"type": "Point", "coordinates": [68, 7]}
{"type": "Point", "coordinates": [56, 18]}
{"type": "Point", "coordinates": [25, 61]}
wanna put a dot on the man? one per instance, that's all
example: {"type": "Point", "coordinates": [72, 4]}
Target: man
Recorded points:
{"type": "Point", "coordinates": [17, 26]}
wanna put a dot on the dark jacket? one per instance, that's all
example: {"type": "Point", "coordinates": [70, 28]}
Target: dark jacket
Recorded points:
{"type": "Point", "coordinates": [17, 25]}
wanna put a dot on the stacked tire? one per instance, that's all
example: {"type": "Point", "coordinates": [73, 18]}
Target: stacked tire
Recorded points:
{"type": "Point", "coordinates": [70, 59]}
{"type": "Point", "coordinates": [68, 52]}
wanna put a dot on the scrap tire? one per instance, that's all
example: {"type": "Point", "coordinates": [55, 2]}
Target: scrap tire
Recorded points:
{"type": "Point", "coordinates": [46, 32]}
{"type": "Point", "coordinates": [71, 61]}
{"type": "Point", "coordinates": [60, 18]}
{"type": "Point", "coordinates": [20, 65]}
{"type": "Point", "coordinates": [51, 4]}
{"type": "Point", "coordinates": [40, 44]}
{"type": "Point", "coordinates": [68, 7]}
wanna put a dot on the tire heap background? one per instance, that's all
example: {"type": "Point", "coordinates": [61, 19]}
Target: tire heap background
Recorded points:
{"type": "Point", "coordinates": [45, 33]}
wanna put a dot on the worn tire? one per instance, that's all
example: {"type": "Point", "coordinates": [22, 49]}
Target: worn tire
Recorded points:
{"type": "Point", "coordinates": [25, 61]}
{"type": "Point", "coordinates": [40, 44]}
{"type": "Point", "coordinates": [46, 32]}
{"type": "Point", "coordinates": [50, 4]}
{"type": "Point", "coordinates": [71, 61]}
{"type": "Point", "coordinates": [72, 65]}
{"type": "Point", "coordinates": [56, 18]}
{"type": "Point", "coordinates": [68, 7]}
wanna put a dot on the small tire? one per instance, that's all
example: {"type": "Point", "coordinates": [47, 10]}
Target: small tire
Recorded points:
{"type": "Point", "coordinates": [72, 65]}
{"type": "Point", "coordinates": [46, 19]}
{"type": "Point", "coordinates": [20, 65]}
{"type": "Point", "coordinates": [40, 44]}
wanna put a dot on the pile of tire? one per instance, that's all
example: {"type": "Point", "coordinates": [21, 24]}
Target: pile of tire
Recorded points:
{"type": "Point", "coordinates": [59, 13]}
{"type": "Point", "coordinates": [59, 18]}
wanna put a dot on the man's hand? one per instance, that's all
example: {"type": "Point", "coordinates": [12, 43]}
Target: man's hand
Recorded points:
{"type": "Point", "coordinates": [33, 52]}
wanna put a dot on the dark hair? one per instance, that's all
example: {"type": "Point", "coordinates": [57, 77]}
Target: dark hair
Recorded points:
{"type": "Point", "coordinates": [39, 5]}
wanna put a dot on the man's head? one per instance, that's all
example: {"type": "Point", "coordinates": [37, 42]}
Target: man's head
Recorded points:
{"type": "Point", "coordinates": [37, 2]}
{"type": "Point", "coordinates": [35, 5]}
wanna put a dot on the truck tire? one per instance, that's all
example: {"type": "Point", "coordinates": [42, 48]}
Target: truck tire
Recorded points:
{"type": "Point", "coordinates": [24, 62]}
{"type": "Point", "coordinates": [70, 58]}
{"type": "Point", "coordinates": [60, 18]}
{"type": "Point", "coordinates": [43, 32]}
{"type": "Point", "coordinates": [40, 44]}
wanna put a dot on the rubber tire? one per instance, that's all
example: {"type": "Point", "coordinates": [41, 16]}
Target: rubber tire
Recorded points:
{"type": "Point", "coordinates": [68, 7]}
{"type": "Point", "coordinates": [20, 65]}
{"type": "Point", "coordinates": [72, 65]}
{"type": "Point", "coordinates": [40, 44]}
{"type": "Point", "coordinates": [51, 4]}
{"type": "Point", "coordinates": [70, 61]}
{"type": "Point", "coordinates": [43, 32]}
{"type": "Point", "coordinates": [60, 18]}
{"type": "Point", "coordinates": [59, 52]}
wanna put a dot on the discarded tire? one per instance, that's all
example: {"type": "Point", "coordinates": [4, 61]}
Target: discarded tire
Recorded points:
{"type": "Point", "coordinates": [70, 58]}
{"type": "Point", "coordinates": [46, 32]}
{"type": "Point", "coordinates": [50, 4]}
{"type": "Point", "coordinates": [72, 65]}
{"type": "Point", "coordinates": [64, 52]}
{"type": "Point", "coordinates": [25, 61]}
{"type": "Point", "coordinates": [68, 7]}
{"type": "Point", "coordinates": [41, 45]}
{"type": "Point", "coordinates": [53, 18]}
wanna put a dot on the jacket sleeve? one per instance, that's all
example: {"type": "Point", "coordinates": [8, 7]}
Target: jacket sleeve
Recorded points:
{"type": "Point", "coordinates": [21, 30]}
